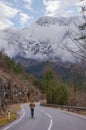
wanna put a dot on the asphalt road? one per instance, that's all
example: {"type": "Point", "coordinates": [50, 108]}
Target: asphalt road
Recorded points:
{"type": "Point", "coordinates": [46, 119]}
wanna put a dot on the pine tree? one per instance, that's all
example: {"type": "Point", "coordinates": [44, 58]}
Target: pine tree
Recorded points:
{"type": "Point", "coordinates": [48, 83]}
{"type": "Point", "coordinates": [55, 93]}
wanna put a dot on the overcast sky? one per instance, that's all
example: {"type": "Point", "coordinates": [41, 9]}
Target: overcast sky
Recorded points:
{"type": "Point", "coordinates": [21, 13]}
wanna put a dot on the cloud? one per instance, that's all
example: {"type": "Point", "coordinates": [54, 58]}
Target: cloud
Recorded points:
{"type": "Point", "coordinates": [28, 4]}
{"type": "Point", "coordinates": [6, 13]}
{"type": "Point", "coordinates": [82, 3]}
{"type": "Point", "coordinates": [51, 6]}
{"type": "Point", "coordinates": [61, 7]}
{"type": "Point", "coordinates": [24, 18]}
{"type": "Point", "coordinates": [5, 23]}
{"type": "Point", "coordinates": [28, 1]}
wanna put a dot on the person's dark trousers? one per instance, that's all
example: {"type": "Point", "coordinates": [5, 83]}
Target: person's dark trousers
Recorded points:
{"type": "Point", "coordinates": [32, 113]}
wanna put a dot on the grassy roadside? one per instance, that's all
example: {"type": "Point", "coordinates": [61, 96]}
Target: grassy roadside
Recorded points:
{"type": "Point", "coordinates": [4, 118]}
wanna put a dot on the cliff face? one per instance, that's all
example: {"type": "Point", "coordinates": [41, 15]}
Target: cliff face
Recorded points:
{"type": "Point", "coordinates": [15, 85]}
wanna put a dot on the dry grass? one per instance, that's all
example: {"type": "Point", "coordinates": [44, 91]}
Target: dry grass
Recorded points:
{"type": "Point", "coordinates": [4, 118]}
{"type": "Point", "coordinates": [16, 108]}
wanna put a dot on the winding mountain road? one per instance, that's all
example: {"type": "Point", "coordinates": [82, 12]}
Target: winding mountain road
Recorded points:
{"type": "Point", "coordinates": [47, 119]}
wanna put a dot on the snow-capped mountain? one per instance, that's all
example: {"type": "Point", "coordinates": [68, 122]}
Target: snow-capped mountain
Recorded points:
{"type": "Point", "coordinates": [44, 39]}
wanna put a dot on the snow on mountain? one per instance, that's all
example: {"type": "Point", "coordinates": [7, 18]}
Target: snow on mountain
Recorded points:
{"type": "Point", "coordinates": [44, 39]}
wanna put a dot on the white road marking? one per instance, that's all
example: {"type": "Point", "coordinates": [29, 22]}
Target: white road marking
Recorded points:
{"type": "Point", "coordinates": [73, 114]}
{"type": "Point", "coordinates": [16, 120]}
{"type": "Point", "coordinates": [50, 117]}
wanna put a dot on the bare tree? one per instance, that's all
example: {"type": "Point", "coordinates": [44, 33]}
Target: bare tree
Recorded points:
{"type": "Point", "coordinates": [79, 38]}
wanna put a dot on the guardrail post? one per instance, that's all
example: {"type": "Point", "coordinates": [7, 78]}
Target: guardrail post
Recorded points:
{"type": "Point", "coordinates": [68, 108]}
{"type": "Point", "coordinates": [0, 104]}
{"type": "Point", "coordinates": [61, 107]}
{"type": "Point", "coordinates": [78, 110]}
{"type": "Point", "coordinates": [9, 112]}
{"type": "Point", "coordinates": [9, 117]}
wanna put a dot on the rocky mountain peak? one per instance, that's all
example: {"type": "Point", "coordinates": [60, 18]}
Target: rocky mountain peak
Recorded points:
{"type": "Point", "coordinates": [47, 21]}
{"type": "Point", "coordinates": [43, 40]}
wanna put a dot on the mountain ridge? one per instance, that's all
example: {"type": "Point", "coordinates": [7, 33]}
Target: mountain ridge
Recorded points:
{"type": "Point", "coordinates": [41, 42]}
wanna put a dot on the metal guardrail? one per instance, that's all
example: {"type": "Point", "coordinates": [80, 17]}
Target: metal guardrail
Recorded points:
{"type": "Point", "coordinates": [68, 108]}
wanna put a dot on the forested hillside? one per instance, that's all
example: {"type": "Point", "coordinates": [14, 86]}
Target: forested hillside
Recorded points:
{"type": "Point", "coordinates": [63, 85]}
{"type": "Point", "coordinates": [15, 84]}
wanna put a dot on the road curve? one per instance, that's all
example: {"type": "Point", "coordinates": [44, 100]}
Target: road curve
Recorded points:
{"type": "Point", "coordinates": [47, 119]}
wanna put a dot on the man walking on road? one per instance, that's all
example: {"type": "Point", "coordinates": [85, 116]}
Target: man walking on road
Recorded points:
{"type": "Point", "coordinates": [32, 106]}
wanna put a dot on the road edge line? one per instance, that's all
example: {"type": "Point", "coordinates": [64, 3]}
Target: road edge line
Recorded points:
{"type": "Point", "coordinates": [73, 114]}
{"type": "Point", "coordinates": [50, 117]}
{"type": "Point", "coordinates": [16, 120]}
